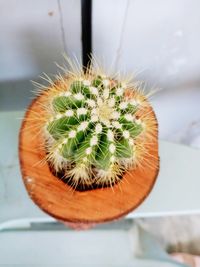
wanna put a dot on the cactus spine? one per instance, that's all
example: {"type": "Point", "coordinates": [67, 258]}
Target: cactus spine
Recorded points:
{"type": "Point", "coordinates": [95, 127]}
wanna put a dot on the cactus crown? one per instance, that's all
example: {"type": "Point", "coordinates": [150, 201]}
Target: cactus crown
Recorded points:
{"type": "Point", "coordinates": [95, 127]}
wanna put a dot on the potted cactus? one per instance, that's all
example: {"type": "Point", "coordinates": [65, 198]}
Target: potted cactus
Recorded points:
{"type": "Point", "coordinates": [88, 146]}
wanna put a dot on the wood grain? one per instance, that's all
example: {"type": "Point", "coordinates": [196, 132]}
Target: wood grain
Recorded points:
{"type": "Point", "coordinates": [93, 206]}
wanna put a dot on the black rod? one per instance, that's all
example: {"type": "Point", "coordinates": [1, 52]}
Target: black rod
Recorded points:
{"type": "Point", "coordinates": [86, 22]}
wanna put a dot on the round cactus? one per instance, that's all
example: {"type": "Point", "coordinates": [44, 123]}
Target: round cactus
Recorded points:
{"type": "Point", "coordinates": [95, 127]}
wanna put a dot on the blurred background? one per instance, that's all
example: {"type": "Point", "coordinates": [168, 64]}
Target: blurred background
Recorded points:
{"type": "Point", "coordinates": [156, 40]}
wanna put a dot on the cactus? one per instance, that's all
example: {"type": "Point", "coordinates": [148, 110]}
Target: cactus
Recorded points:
{"type": "Point", "coordinates": [95, 127]}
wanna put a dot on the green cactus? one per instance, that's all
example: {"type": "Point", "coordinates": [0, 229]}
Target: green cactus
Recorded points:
{"type": "Point", "coordinates": [92, 128]}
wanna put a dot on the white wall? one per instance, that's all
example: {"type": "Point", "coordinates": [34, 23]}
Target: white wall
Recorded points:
{"type": "Point", "coordinates": [32, 33]}
{"type": "Point", "coordinates": [159, 38]}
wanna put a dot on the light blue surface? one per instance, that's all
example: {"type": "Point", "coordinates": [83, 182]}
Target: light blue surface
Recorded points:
{"type": "Point", "coordinates": [14, 201]}
{"type": "Point", "coordinates": [114, 248]}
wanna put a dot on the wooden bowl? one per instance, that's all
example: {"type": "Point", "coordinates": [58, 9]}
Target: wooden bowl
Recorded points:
{"type": "Point", "coordinates": [93, 206]}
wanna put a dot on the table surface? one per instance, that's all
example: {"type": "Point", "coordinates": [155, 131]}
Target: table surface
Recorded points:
{"type": "Point", "coordinates": [175, 192]}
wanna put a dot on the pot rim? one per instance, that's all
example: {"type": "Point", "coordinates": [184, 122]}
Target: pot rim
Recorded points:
{"type": "Point", "coordinates": [56, 203]}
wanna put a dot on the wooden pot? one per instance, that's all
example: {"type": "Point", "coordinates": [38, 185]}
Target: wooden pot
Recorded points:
{"type": "Point", "coordinates": [59, 200]}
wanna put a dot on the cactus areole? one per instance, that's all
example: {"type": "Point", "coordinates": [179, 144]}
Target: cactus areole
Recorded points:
{"type": "Point", "coordinates": [93, 129]}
